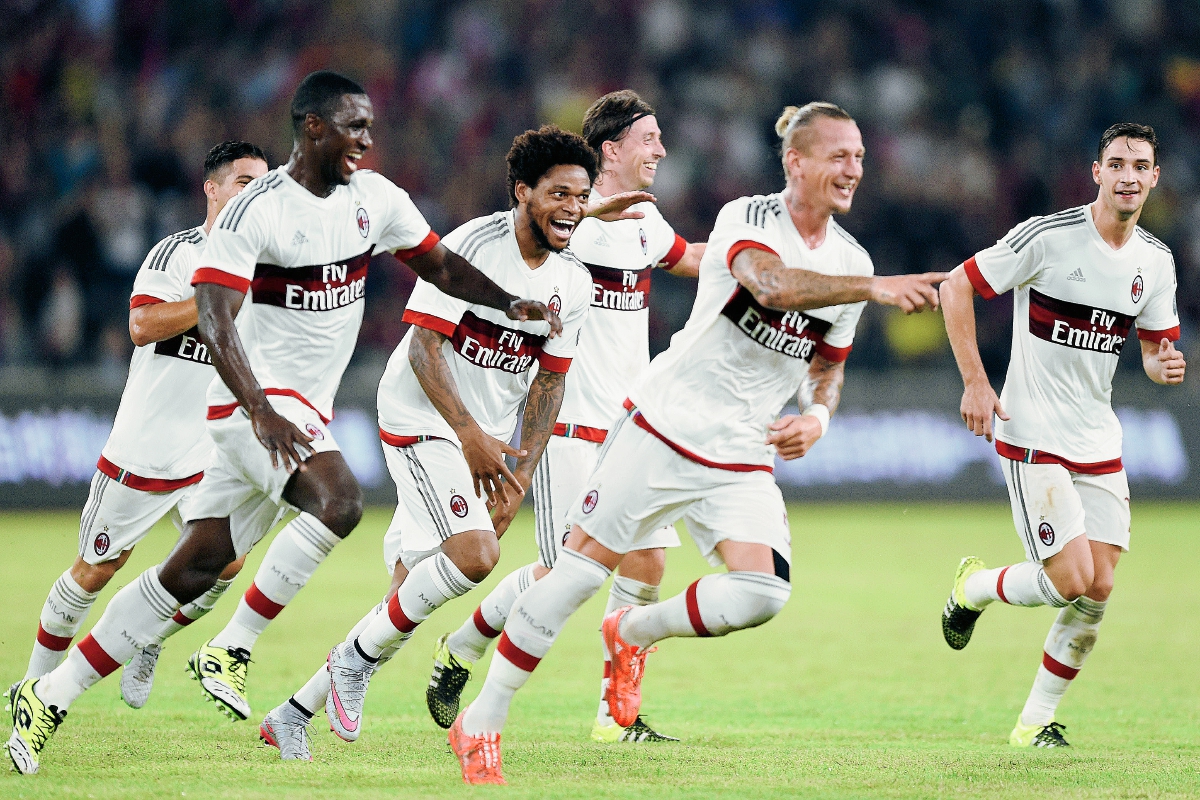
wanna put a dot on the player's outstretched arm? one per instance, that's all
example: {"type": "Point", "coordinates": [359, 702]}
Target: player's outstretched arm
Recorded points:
{"type": "Point", "coordinates": [689, 265]}
{"type": "Point", "coordinates": [776, 286]}
{"type": "Point", "coordinates": [610, 209]}
{"type": "Point", "coordinates": [541, 411]}
{"type": "Point", "coordinates": [158, 321]}
{"type": "Point", "coordinates": [979, 399]}
{"type": "Point", "coordinates": [454, 275]}
{"type": "Point", "coordinates": [1162, 362]}
{"type": "Point", "coordinates": [793, 435]}
{"type": "Point", "coordinates": [216, 308]}
{"type": "Point", "coordinates": [484, 454]}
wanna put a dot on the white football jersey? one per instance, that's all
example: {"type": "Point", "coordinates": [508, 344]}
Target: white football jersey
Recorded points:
{"type": "Point", "coordinates": [614, 346]}
{"type": "Point", "coordinates": [734, 366]}
{"type": "Point", "coordinates": [303, 259]}
{"type": "Point", "coordinates": [1075, 300]}
{"type": "Point", "coordinates": [158, 441]}
{"type": "Point", "coordinates": [491, 357]}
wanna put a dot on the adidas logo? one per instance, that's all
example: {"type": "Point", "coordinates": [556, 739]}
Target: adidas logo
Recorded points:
{"type": "Point", "coordinates": [299, 238]}
{"type": "Point", "coordinates": [1077, 275]}
{"type": "Point", "coordinates": [601, 241]}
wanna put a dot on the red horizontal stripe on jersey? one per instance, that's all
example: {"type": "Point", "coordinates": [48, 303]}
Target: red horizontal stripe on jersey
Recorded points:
{"type": "Point", "coordinates": [101, 661]}
{"type": "Point", "coordinates": [693, 609]}
{"type": "Point", "coordinates": [139, 300]}
{"type": "Point", "coordinates": [1157, 336]}
{"type": "Point", "coordinates": [226, 410]}
{"type": "Point", "coordinates": [831, 353]}
{"type": "Point", "coordinates": [620, 289]}
{"type": "Point", "coordinates": [221, 278]}
{"type": "Point", "coordinates": [52, 642]}
{"type": "Point", "coordinates": [1029, 456]}
{"type": "Point", "coordinates": [980, 283]}
{"type": "Point", "coordinates": [1055, 667]}
{"type": "Point", "coordinates": [519, 658]}
{"type": "Point", "coordinates": [554, 363]}
{"type": "Point", "coordinates": [579, 432]}
{"type": "Point", "coordinates": [641, 422]}
{"type": "Point", "coordinates": [422, 320]}
{"type": "Point", "coordinates": [746, 244]}
{"type": "Point", "coordinates": [403, 441]}
{"type": "Point", "coordinates": [675, 253]}
{"type": "Point", "coordinates": [398, 618]}
{"type": "Point", "coordinates": [127, 478]}
{"type": "Point", "coordinates": [788, 333]}
{"type": "Point", "coordinates": [491, 345]}
{"type": "Point", "coordinates": [319, 287]}
{"type": "Point", "coordinates": [428, 243]}
{"type": "Point", "coordinates": [482, 626]}
{"type": "Point", "coordinates": [261, 604]}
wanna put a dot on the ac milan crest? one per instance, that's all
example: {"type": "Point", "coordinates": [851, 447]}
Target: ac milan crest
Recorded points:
{"type": "Point", "coordinates": [314, 431]}
{"type": "Point", "coordinates": [1138, 287]}
{"type": "Point", "coordinates": [555, 304]}
{"type": "Point", "coordinates": [364, 222]}
{"type": "Point", "coordinates": [458, 505]}
{"type": "Point", "coordinates": [1046, 534]}
{"type": "Point", "coordinates": [589, 502]}
{"type": "Point", "coordinates": [642, 233]}
{"type": "Point", "coordinates": [102, 544]}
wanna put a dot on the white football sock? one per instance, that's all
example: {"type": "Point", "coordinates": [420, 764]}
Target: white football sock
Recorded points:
{"type": "Point", "coordinates": [712, 606]}
{"type": "Point", "coordinates": [313, 694]}
{"type": "Point", "coordinates": [132, 620]}
{"type": "Point", "coordinates": [290, 561]}
{"type": "Point", "coordinates": [430, 584]}
{"type": "Point", "coordinates": [539, 613]}
{"type": "Point", "coordinates": [1023, 584]}
{"type": "Point", "coordinates": [66, 608]}
{"type": "Point", "coordinates": [471, 640]}
{"type": "Point", "coordinates": [624, 592]}
{"type": "Point", "coordinates": [194, 610]}
{"type": "Point", "coordinates": [1071, 638]}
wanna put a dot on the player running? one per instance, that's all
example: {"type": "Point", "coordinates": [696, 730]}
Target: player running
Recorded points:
{"type": "Point", "coordinates": [158, 447]}
{"type": "Point", "coordinates": [299, 240]}
{"type": "Point", "coordinates": [448, 404]}
{"type": "Point", "coordinates": [781, 290]}
{"type": "Point", "coordinates": [1080, 279]}
{"type": "Point", "coordinates": [613, 351]}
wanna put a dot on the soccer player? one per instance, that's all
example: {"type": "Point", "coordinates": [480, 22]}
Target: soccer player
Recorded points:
{"type": "Point", "coordinates": [448, 403]}
{"type": "Point", "coordinates": [613, 351]}
{"type": "Point", "coordinates": [158, 447]}
{"type": "Point", "coordinates": [1080, 279]}
{"type": "Point", "coordinates": [781, 289]}
{"type": "Point", "coordinates": [298, 240]}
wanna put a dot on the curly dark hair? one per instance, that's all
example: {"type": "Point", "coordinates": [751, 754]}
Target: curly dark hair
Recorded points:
{"type": "Point", "coordinates": [227, 153]}
{"type": "Point", "coordinates": [1130, 130]}
{"type": "Point", "coordinates": [534, 153]}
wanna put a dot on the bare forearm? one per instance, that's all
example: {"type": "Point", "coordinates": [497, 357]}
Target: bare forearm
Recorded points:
{"type": "Point", "coordinates": [689, 265]}
{"type": "Point", "coordinates": [958, 308]}
{"type": "Point", "coordinates": [823, 384]}
{"type": "Point", "coordinates": [433, 373]}
{"type": "Point", "coordinates": [541, 412]}
{"type": "Point", "coordinates": [454, 275]}
{"type": "Point", "coordinates": [159, 321]}
{"type": "Point", "coordinates": [215, 319]}
{"type": "Point", "coordinates": [784, 289]}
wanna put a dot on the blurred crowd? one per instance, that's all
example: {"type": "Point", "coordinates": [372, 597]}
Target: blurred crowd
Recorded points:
{"type": "Point", "coordinates": [976, 113]}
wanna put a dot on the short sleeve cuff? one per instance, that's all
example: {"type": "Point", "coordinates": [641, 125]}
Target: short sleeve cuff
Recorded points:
{"type": "Point", "coordinates": [429, 321]}
{"type": "Point", "coordinates": [746, 244]}
{"type": "Point", "coordinates": [980, 283]}
{"type": "Point", "coordinates": [675, 253]}
{"type": "Point", "coordinates": [1157, 336]}
{"type": "Point", "coordinates": [139, 300]}
{"type": "Point", "coordinates": [221, 278]}
{"type": "Point", "coordinates": [835, 354]}
{"type": "Point", "coordinates": [554, 363]}
{"type": "Point", "coordinates": [428, 243]}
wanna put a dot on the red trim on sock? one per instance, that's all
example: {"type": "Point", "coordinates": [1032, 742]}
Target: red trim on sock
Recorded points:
{"type": "Point", "coordinates": [607, 669]}
{"type": "Point", "coordinates": [101, 661]}
{"type": "Point", "coordinates": [396, 615]}
{"type": "Point", "coordinates": [1058, 668]}
{"type": "Point", "coordinates": [1000, 585]}
{"type": "Point", "coordinates": [180, 619]}
{"type": "Point", "coordinates": [482, 626]}
{"type": "Point", "coordinates": [693, 608]}
{"type": "Point", "coordinates": [52, 642]}
{"type": "Point", "coordinates": [261, 604]}
{"type": "Point", "coordinates": [519, 658]}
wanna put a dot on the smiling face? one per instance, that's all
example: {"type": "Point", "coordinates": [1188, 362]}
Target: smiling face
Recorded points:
{"type": "Point", "coordinates": [634, 158]}
{"type": "Point", "coordinates": [342, 139]}
{"type": "Point", "coordinates": [827, 167]}
{"type": "Point", "coordinates": [555, 205]}
{"type": "Point", "coordinates": [1126, 175]}
{"type": "Point", "coordinates": [228, 181]}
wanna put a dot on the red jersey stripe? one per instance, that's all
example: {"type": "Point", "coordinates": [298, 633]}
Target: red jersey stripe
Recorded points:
{"type": "Point", "coordinates": [978, 281]}
{"type": "Point", "coordinates": [139, 300]}
{"type": "Point", "coordinates": [746, 244]}
{"type": "Point", "coordinates": [831, 353]}
{"type": "Point", "coordinates": [1029, 456]}
{"type": "Point", "coordinates": [579, 432]}
{"type": "Point", "coordinates": [422, 320]}
{"type": "Point", "coordinates": [554, 363]}
{"type": "Point", "coordinates": [675, 253]}
{"type": "Point", "coordinates": [221, 278]}
{"type": "Point", "coordinates": [641, 422]}
{"type": "Point", "coordinates": [226, 410]}
{"type": "Point", "coordinates": [427, 244]}
{"type": "Point", "coordinates": [1158, 336]}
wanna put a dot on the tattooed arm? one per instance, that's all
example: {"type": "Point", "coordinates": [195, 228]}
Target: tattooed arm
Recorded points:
{"type": "Point", "coordinates": [795, 434]}
{"type": "Point", "coordinates": [541, 411]}
{"type": "Point", "coordinates": [484, 454]}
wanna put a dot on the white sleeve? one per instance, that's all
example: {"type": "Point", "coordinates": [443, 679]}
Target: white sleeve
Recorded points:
{"type": "Point", "coordinates": [1159, 318]}
{"type": "Point", "coordinates": [558, 352]}
{"type": "Point", "coordinates": [667, 246]}
{"type": "Point", "coordinates": [741, 226]}
{"type": "Point", "coordinates": [839, 339]}
{"type": "Point", "coordinates": [405, 231]}
{"type": "Point", "coordinates": [1001, 267]}
{"type": "Point", "coordinates": [238, 238]}
{"type": "Point", "coordinates": [166, 274]}
{"type": "Point", "coordinates": [429, 307]}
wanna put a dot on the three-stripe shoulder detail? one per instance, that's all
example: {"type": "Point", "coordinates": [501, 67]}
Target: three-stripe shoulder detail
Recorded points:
{"type": "Point", "coordinates": [484, 235]}
{"type": "Point", "coordinates": [233, 215]}
{"type": "Point", "coordinates": [160, 256]}
{"type": "Point", "coordinates": [573, 259]}
{"type": "Point", "coordinates": [1152, 240]}
{"type": "Point", "coordinates": [760, 209]}
{"type": "Point", "coordinates": [846, 235]}
{"type": "Point", "coordinates": [1019, 240]}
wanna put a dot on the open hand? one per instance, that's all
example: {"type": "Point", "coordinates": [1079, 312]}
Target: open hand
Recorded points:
{"type": "Point", "coordinates": [909, 293]}
{"type": "Point", "coordinates": [489, 472]}
{"type": "Point", "coordinates": [611, 209]}
{"type": "Point", "coordinates": [287, 444]}
{"type": "Point", "coordinates": [524, 310]}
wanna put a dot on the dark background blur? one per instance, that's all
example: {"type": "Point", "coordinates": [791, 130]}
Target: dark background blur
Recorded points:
{"type": "Point", "coordinates": [976, 115]}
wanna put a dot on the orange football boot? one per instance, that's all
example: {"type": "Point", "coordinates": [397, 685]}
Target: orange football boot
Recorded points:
{"type": "Point", "coordinates": [479, 755]}
{"type": "Point", "coordinates": [628, 665]}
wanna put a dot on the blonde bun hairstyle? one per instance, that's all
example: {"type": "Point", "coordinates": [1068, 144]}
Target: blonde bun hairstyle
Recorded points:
{"type": "Point", "coordinates": [785, 119]}
{"type": "Point", "coordinates": [794, 126]}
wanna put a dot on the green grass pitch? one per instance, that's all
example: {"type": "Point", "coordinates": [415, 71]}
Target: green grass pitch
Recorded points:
{"type": "Point", "coordinates": [850, 692]}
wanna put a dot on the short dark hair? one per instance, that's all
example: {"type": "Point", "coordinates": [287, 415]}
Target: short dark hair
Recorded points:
{"type": "Point", "coordinates": [1129, 130]}
{"type": "Point", "coordinates": [228, 152]}
{"type": "Point", "coordinates": [319, 94]}
{"type": "Point", "coordinates": [534, 153]}
{"type": "Point", "coordinates": [609, 118]}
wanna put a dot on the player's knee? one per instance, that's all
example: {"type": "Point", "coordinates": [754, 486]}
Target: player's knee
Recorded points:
{"type": "Point", "coordinates": [477, 560]}
{"type": "Point", "coordinates": [341, 514]}
{"type": "Point", "coordinates": [94, 577]}
{"type": "Point", "coordinates": [760, 597]}
{"type": "Point", "coordinates": [1101, 588]}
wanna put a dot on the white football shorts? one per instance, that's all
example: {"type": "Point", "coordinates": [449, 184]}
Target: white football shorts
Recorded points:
{"type": "Point", "coordinates": [558, 482]}
{"type": "Point", "coordinates": [1052, 505]}
{"type": "Point", "coordinates": [241, 483]}
{"type": "Point", "coordinates": [435, 499]}
{"type": "Point", "coordinates": [116, 517]}
{"type": "Point", "coordinates": [640, 485]}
